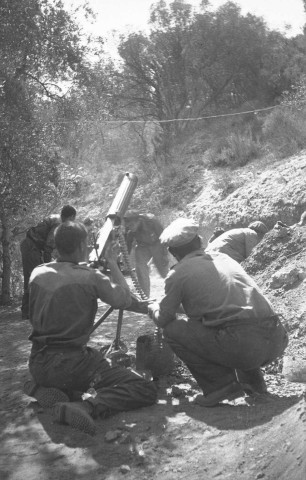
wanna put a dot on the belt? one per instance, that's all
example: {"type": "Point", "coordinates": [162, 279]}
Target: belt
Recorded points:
{"type": "Point", "coordinates": [271, 321]}
{"type": "Point", "coordinates": [56, 348]}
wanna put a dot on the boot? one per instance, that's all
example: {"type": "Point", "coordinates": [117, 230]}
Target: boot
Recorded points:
{"type": "Point", "coordinates": [75, 414]}
{"type": "Point", "coordinates": [252, 380]}
{"type": "Point", "coordinates": [228, 392]}
{"type": "Point", "coordinates": [47, 397]}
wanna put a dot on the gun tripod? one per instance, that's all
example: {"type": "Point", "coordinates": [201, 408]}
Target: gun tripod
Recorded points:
{"type": "Point", "coordinates": [152, 352]}
{"type": "Point", "coordinates": [138, 306]}
{"type": "Point", "coordinates": [153, 348]}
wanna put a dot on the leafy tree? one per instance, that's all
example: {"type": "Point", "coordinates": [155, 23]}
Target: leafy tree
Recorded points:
{"type": "Point", "coordinates": [236, 59]}
{"type": "Point", "coordinates": [154, 86]}
{"type": "Point", "coordinates": [40, 48]}
{"type": "Point", "coordinates": [226, 54]}
{"type": "Point", "coordinates": [194, 64]}
{"type": "Point", "coordinates": [82, 116]}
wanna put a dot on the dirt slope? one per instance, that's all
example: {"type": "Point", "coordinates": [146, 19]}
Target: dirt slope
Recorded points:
{"type": "Point", "coordinates": [250, 438]}
{"type": "Point", "coordinates": [268, 191]}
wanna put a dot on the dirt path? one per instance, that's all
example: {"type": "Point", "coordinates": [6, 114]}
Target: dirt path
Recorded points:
{"type": "Point", "coordinates": [173, 439]}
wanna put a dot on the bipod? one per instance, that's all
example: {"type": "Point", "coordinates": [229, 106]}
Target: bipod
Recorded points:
{"type": "Point", "coordinates": [117, 350]}
{"type": "Point", "coordinates": [101, 319]}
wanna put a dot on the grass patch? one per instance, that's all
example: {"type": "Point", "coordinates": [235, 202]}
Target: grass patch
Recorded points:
{"type": "Point", "coordinates": [234, 150]}
{"type": "Point", "coordinates": [284, 131]}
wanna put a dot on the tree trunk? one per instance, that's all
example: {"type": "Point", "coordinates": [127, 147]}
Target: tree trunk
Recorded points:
{"type": "Point", "coordinates": [6, 262]}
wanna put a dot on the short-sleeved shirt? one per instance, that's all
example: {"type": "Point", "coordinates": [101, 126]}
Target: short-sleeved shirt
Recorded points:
{"type": "Point", "coordinates": [63, 302]}
{"type": "Point", "coordinates": [212, 288]}
{"type": "Point", "coordinates": [238, 243]}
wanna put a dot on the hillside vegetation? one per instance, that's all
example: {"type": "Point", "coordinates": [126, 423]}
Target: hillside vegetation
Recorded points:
{"type": "Point", "coordinates": [251, 437]}
{"type": "Point", "coordinates": [200, 95]}
{"type": "Point", "coordinates": [208, 109]}
{"type": "Point", "coordinates": [262, 190]}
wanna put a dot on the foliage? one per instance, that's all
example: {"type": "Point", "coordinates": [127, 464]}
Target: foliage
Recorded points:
{"type": "Point", "coordinates": [39, 43]}
{"type": "Point", "coordinates": [284, 131]}
{"type": "Point", "coordinates": [191, 64]}
{"type": "Point", "coordinates": [195, 64]}
{"type": "Point", "coordinates": [154, 76]}
{"type": "Point", "coordinates": [296, 97]}
{"type": "Point", "coordinates": [85, 121]}
{"type": "Point", "coordinates": [27, 168]}
{"type": "Point", "coordinates": [234, 150]}
{"type": "Point", "coordinates": [40, 47]}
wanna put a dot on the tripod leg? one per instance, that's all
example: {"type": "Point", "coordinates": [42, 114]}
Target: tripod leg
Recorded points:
{"type": "Point", "coordinates": [118, 333]}
{"type": "Point", "coordinates": [101, 319]}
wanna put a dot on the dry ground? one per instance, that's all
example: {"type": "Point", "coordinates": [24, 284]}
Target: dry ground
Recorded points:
{"type": "Point", "coordinates": [261, 438]}
{"type": "Point", "coordinates": [250, 438]}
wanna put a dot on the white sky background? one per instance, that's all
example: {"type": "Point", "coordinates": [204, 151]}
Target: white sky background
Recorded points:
{"type": "Point", "coordinates": [117, 14]}
{"type": "Point", "coordinates": [133, 15]}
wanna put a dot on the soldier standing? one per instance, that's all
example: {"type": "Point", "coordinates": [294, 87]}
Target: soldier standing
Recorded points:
{"type": "Point", "coordinates": [142, 232]}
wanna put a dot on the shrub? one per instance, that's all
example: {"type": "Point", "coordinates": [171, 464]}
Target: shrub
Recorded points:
{"type": "Point", "coordinates": [284, 131]}
{"type": "Point", "coordinates": [234, 150]}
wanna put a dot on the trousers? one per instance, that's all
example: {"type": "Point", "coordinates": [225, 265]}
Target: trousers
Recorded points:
{"type": "Point", "coordinates": [118, 389]}
{"type": "Point", "coordinates": [145, 253]}
{"type": "Point", "coordinates": [213, 354]}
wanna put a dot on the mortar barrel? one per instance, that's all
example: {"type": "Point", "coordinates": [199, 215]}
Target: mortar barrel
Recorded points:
{"type": "Point", "coordinates": [123, 196]}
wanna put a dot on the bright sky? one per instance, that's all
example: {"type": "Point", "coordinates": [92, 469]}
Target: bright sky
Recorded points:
{"type": "Point", "coordinates": [133, 15]}
{"type": "Point", "coordinates": [118, 14]}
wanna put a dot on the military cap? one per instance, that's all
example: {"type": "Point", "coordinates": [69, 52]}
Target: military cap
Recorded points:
{"type": "Point", "coordinates": [180, 232]}
{"type": "Point", "coordinates": [258, 227]}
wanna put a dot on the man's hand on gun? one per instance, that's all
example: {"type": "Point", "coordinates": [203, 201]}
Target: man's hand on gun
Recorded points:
{"type": "Point", "coordinates": [152, 308]}
{"type": "Point", "coordinates": [110, 256]}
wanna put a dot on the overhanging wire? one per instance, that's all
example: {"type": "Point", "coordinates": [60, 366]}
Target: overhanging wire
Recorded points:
{"type": "Point", "coordinates": [173, 120]}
